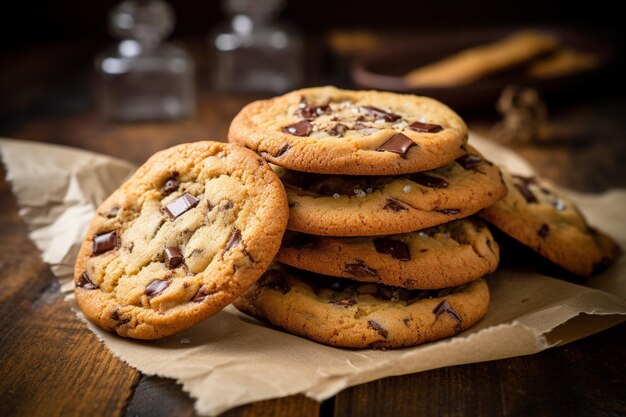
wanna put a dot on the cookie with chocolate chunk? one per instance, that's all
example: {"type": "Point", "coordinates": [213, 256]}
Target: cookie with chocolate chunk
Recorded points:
{"type": "Point", "coordinates": [345, 313]}
{"type": "Point", "coordinates": [331, 205]}
{"type": "Point", "coordinates": [190, 231]}
{"type": "Point", "coordinates": [442, 256]}
{"type": "Point", "coordinates": [535, 214]}
{"type": "Point", "coordinates": [331, 131]}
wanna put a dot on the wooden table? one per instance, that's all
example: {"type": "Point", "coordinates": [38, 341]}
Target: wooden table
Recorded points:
{"type": "Point", "coordinates": [52, 365]}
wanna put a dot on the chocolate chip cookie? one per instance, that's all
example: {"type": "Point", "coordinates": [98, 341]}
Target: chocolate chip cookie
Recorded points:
{"type": "Point", "coordinates": [549, 223]}
{"type": "Point", "coordinates": [331, 131]}
{"type": "Point", "coordinates": [345, 313]}
{"type": "Point", "coordinates": [190, 231]}
{"type": "Point", "coordinates": [438, 257]}
{"type": "Point", "coordinates": [329, 205]}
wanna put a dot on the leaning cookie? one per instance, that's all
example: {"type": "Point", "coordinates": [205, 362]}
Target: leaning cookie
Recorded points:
{"type": "Point", "coordinates": [366, 206]}
{"type": "Point", "coordinates": [438, 257]}
{"type": "Point", "coordinates": [537, 216]}
{"type": "Point", "coordinates": [344, 313]}
{"type": "Point", "coordinates": [331, 131]}
{"type": "Point", "coordinates": [190, 231]}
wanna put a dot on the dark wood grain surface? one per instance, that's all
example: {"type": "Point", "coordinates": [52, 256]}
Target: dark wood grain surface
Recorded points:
{"type": "Point", "coordinates": [52, 365]}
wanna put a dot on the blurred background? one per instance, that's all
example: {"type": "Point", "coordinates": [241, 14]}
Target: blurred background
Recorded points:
{"type": "Point", "coordinates": [130, 78]}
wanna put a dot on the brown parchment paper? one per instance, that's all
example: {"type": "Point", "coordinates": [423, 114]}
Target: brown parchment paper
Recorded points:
{"type": "Point", "coordinates": [231, 359]}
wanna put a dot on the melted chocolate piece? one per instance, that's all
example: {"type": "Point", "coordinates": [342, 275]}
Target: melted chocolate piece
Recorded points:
{"type": "Point", "coordinates": [173, 257]}
{"type": "Point", "coordinates": [558, 204]}
{"type": "Point", "coordinates": [275, 280]}
{"type": "Point", "coordinates": [156, 287]}
{"type": "Point", "coordinates": [312, 112]}
{"type": "Point", "coordinates": [395, 248]}
{"type": "Point", "coordinates": [445, 307]}
{"type": "Point", "coordinates": [283, 149]}
{"type": "Point", "coordinates": [113, 213]}
{"type": "Point", "coordinates": [425, 127]}
{"type": "Point", "coordinates": [378, 328]}
{"type": "Point", "coordinates": [302, 128]}
{"type": "Point", "coordinates": [394, 205]}
{"type": "Point", "coordinates": [115, 315]}
{"type": "Point", "coordinates": [449, 211]}
{"type": "Point", "coordinates": [104, 242]}
{"type": "Point", "coordinates": [526, 193]}
{"type": "Point", "coordinates": [379, 113]}
{"type": "Point", "coordinates": [181, 205]}
{"type": "Point", "coordinates": [359, 269]}
{"type": "Point", "coordinates": [170, 186]}
{"type": "Point", "coordinates": [522, 184]}
{"type": "Point", "coordinates": [600, 266]}
{"type": "Point", "coordinates": [488, 241]}
{"type": "Point", "coordinates": [339, 129]}
{"type": "Point", "coordinates": [85, 282]}
{"type": "Point", "coordinates": [300, 240]}
{"type": "Point", "coordinates": [344, 302]}
{"type": "Point", "coordinates": [202, 294]}
{"type": "Point", "coordinates": [398, 143]}
{"type": "Point", "coordinates": [428, 180]}
{"type": "Point", "coordinates": [233, 240]}
{"type": "Point", "coordinates": [471, 162]}
{"type": "Point", "coordinates": [543, 231]}
{"type": "Point", "coordinates": [359, 126]}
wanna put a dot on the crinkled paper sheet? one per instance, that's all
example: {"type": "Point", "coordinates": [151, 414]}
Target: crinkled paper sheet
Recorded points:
{"type": "Point", "coordinates": [231, 359]}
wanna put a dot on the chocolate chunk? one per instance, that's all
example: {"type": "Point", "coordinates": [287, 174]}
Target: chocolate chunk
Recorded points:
{"type": "Point", "coordinates": [85, 282]}
{"type": "Point", "coordinates": [202, 294]}
{"type": "Point", "coordinates": [282, 150]}
{"type": "Point", "coordinates": [394, 205]}
{"type": "Point", "coordinates": [181, 205]}
{"type": "Point", "coordinates": [398, 143]}
{"type": "Point", "coordinates": [543, 231]}
{"type": "Point", "coordinates": [300, 240]}
{"type": "Point", "coordinates": [345, 302]}
{"type": "Point", "coordinates": [379, 113]}
{"type": "Point", "coordinates": [396, 248]}
{"type": "Point", "coordinates": [104, 242]}
{"type": "Point", "coordinates": [378, 328]}
{"type": "Point", "coordinates": [233, 240]}
{"type": "Point", "coordinates": [428, 180]}
{"type": "Point", "coordinates": [173, 257]}
{"type": "Point", "coordinates": [339, 129]}
{"type": "Point", "coordinates": [471, 162]}
{"type": "Point", "coordinates": [156, 287]}
{"type": "Point", "coordinates": [449, 211]}
{"type": "Point", "coordinates": [445, 307]}
{"type": "Point", "coordinates": [359, 269]}
{"type": "Point", "coordinates": [170, 186]}
{"type": "Point", "coordinates": [425, 127]}
{"type": "Point", "coordinates": [302, 128]}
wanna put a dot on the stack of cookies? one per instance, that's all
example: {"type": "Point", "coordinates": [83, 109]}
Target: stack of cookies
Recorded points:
{"type": "Point", "coordinates": [381, 249]}
{"type": "Point", "coordinates": [377, 191]}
